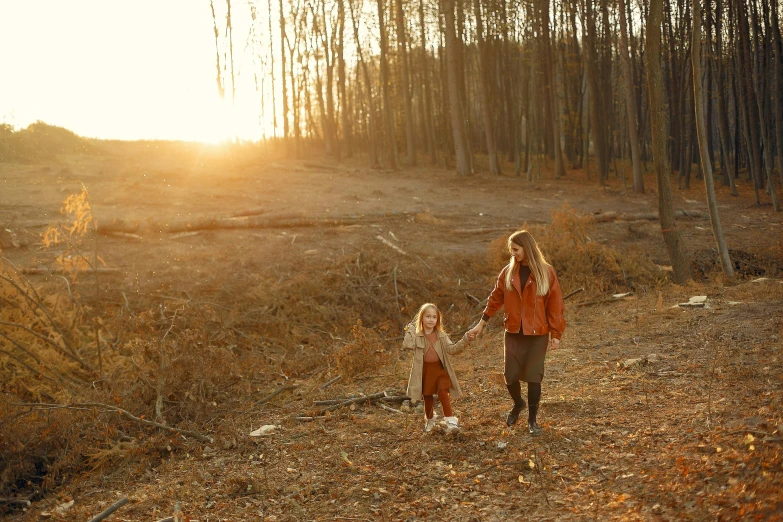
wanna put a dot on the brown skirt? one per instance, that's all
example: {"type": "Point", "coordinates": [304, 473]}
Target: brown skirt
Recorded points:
{"type": "Point", "coordinates": [525, 356]}
{"type": "Point", "coordinates": [434, 377]}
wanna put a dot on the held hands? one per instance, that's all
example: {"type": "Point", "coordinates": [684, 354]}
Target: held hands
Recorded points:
{"type": "Point", "coordinates": [475, 331]}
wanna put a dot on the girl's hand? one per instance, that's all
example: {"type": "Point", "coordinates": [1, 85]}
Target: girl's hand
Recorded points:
{"type": "Point", "coordinates": [475, 331]}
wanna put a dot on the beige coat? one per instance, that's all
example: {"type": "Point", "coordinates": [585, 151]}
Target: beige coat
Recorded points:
{"type": "Point", "coordinates": [443, 347]}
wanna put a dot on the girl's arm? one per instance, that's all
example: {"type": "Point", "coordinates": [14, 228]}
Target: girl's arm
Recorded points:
{"type": "Point", "coordinates": [454, 349]}
{"type": "Point", "coordinates": [409, 342]}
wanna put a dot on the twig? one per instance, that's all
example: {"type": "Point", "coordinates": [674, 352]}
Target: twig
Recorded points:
{"type": "Point", "coordinates": [396, 293]}
{"type": "Point", "coordinates": [22, 501]}
{"type": "Point", "coordinates": [391, 245]}
{"type": "Point", "coordinates": [541, 478]}
{"type": "Point", "coordinates": [574, 292]}
{"type": "Point", "coordinates": [330, 382]}
{"type": "Point", "coordinates": [128, 415]}
{"type": "Point", "coordinates": [274, 394]}
{"type": "Point", "coordinates": [59, 348]}
{"type": "Point", "coordinates": [111, 509]}
{"type": "Point", "coordinates": [355, 400]}
{"type": "Point", "coordinates": [493, 466]}
{"type": "Point", "coordinates": [709, 386]}
{"type": "Point", "coordinates": [389, 408]}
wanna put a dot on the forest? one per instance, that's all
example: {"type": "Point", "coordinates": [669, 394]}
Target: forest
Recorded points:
{"type": "Point", "coordinates": [209, 332]}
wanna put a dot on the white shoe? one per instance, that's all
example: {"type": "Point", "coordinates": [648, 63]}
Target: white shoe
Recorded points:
{"type": "Point", "coordinates": [429, 424]}
{"type": "Point", "coordinates": [452, 424]}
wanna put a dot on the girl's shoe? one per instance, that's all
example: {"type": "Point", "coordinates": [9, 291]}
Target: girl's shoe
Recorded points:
{"type": "Point", "coordinates": [429, 424]}
{"type": "Point", "coordinates": [452, 424]}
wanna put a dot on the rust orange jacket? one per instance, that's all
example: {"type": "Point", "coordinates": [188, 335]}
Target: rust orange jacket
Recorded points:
{"type": "Point", "coordinates": [526, 312]}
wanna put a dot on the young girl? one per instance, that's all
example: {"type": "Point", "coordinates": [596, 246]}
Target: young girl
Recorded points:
{"type": "Point", "coordinates": [432, 371]}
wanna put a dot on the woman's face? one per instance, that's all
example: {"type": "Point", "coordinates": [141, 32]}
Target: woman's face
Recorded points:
{"type": "Point", "coordinates": [519, 253]}
{"type": "Point", "coordinates": [429, 319]}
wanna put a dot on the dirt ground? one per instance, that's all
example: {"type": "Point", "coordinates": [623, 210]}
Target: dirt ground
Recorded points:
{"type": "Point", "coordinates": [650, 411]}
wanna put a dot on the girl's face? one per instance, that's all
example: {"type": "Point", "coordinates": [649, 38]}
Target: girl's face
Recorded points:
{"type": "Point", "coordinates": [429, 319]}
{"type": "Point", "coordinates": [519, 253]}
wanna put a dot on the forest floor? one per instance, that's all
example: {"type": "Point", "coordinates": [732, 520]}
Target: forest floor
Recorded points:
{"type": "Point", "coordinates": [650, 410]}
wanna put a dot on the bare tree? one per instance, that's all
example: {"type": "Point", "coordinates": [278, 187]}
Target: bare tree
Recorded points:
{"type": "Point", "coordinates": [701, 130]}
{"type": "Point", "coordinates": [671, 236]}
{"type": "Point", "coordinates": [486, 111]}
{"type": "Point", "coordinates": [630, 103]}
{"type": "Point", "coordinates": [452, 64]}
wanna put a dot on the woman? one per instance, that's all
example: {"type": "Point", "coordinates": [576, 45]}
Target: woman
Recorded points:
{"type": "Point", "coordinates": [529, 290]}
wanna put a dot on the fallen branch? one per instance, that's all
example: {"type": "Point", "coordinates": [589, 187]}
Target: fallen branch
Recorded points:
{"type": "Point", "coordinates": [22, 501]}
{"type": "Point", "coordinates": [605, 217]}
{"type": "Point", "coordinates": [493, 466]}
{"type": "Point", "coordinates": [389, 408]}
{"type": "Point", "coordinates": [274, 394]}
{"type": "Point", "coordinates": [128, 415]}
{"type": "Point", "coordinates": [355, 400]}
{"type": "Point", "coordinates": [391, 245]}
{"type": "Point", "coordinates": [330, 382]}
{"type": "Point", "coordinates": [54, 271]}
{"type": "Point", "coordinates": [111, 509]}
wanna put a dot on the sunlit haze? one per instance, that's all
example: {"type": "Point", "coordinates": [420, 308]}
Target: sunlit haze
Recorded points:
{"type": "Point", "coordinates": [122, 70]}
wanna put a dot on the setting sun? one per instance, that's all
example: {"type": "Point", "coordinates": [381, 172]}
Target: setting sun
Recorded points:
{"type": "Point", "coordinates": [121, 70]}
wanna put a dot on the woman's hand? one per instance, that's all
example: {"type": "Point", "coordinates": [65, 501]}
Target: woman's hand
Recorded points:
{"type": "Point", "coordinates": [475, 331]}
{"type": "Point", "coordinates": [555, 343]}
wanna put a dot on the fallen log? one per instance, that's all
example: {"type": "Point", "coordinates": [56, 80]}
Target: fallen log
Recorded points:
{"type": "Point", "coordinates": [605, 217]}
{"type": "Point", "coordinates": [111, 509]}
{"type": "Point", "coordinates": [59, 270]}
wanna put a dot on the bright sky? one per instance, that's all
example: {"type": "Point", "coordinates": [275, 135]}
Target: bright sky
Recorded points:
{"type": "Point", "coordinates": [141, 69]}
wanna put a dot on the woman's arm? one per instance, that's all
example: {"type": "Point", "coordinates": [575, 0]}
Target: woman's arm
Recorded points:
{"type": "Point", "coordinates": [494, 303]}
{"type": "Point", "coordinates": [555, 309]}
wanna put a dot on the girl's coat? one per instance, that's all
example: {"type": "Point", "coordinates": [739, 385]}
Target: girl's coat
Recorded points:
{"type": "Point", "coordinates": [443, 347]}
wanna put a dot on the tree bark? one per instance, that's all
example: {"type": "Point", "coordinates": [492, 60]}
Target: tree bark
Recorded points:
{"type": "Point", "coordinates": [388, 113]}
{"type": "Point", "coordinates": [630, 103]}
{"type": "Point", "coordinates": [405, 88]}
{"type": "Point", "coordinates": [427, 98]}
{"type": "Point", "coordinates": [283, 76]}
{"type": "Point", "coordinates": [701, 132]}
{"type": "Point", "coordinates": [671, 236]}
{"type": "Point", "coordinates": [347, 145]}
{"type": "Point", "coordinates": [595, 98]}
{"type": "Point", "coordinates": [457, 118]}
{"type": "Point", "coordinates": [723, 120]}
{"type": "Point", "coordinates": [778, 71]}
{"type": "Point", "coordinates": [486, 110]}
{"type": "Point", "coordinates": [372, 130]}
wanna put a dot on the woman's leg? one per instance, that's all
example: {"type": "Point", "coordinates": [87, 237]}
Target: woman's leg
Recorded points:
{"type": "Point", "coordinates": [511, 373]}
{"type": "Point", "coordinates": [534, 398]}
{"type": "Point", "coordinates": [445, 401]}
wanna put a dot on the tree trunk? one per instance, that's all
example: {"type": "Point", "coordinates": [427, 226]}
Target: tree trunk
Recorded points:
{"type": "Point", "coordinates": [723, 120]}
{"type": "Point", "coordinates": [388, 113]}
{"type": "Point", "coordinates": [550, 48]}
{"type": "Point", "coordinates": [342, 81]}
{"type": "Point", "coordinates": [372, 130]}
{"type": "Point", "coordinates": [405, 88]}
{"type": "Point", "coordinates": [701, 132]}
{"type": "Point", "coordinates": [283, 76]}
{"type": "Point", "coordinates": [671, 236]}
{"type": "Point", "coordinates": [778, 71]}
{"type": "Point", "coordinates": [457, 119]}
{"type": "Point", "coordinates": [630, 104]}
{"type": "Point", "coordinates": [597, 114]}
{"type": "Point", "coordinates": [486, 110]}
{"type": "Point", "coordinates": [765, 135]}
{"type": "Point", "coordinates": [427, 98]}
{"type": "Point", "coordinates": [747, 97]}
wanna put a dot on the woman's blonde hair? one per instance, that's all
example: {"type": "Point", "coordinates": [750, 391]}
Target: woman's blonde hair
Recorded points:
{"type": "Point", "coordinates": [535, 260]}
{"type": "Point", "coordinates": [420, 316]}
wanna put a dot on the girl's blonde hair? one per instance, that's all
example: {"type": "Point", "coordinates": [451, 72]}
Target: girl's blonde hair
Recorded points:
{"type": "Point", "coordinates": [535, 260]}
{"type": "Point", "coordinates": [420, 315]}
